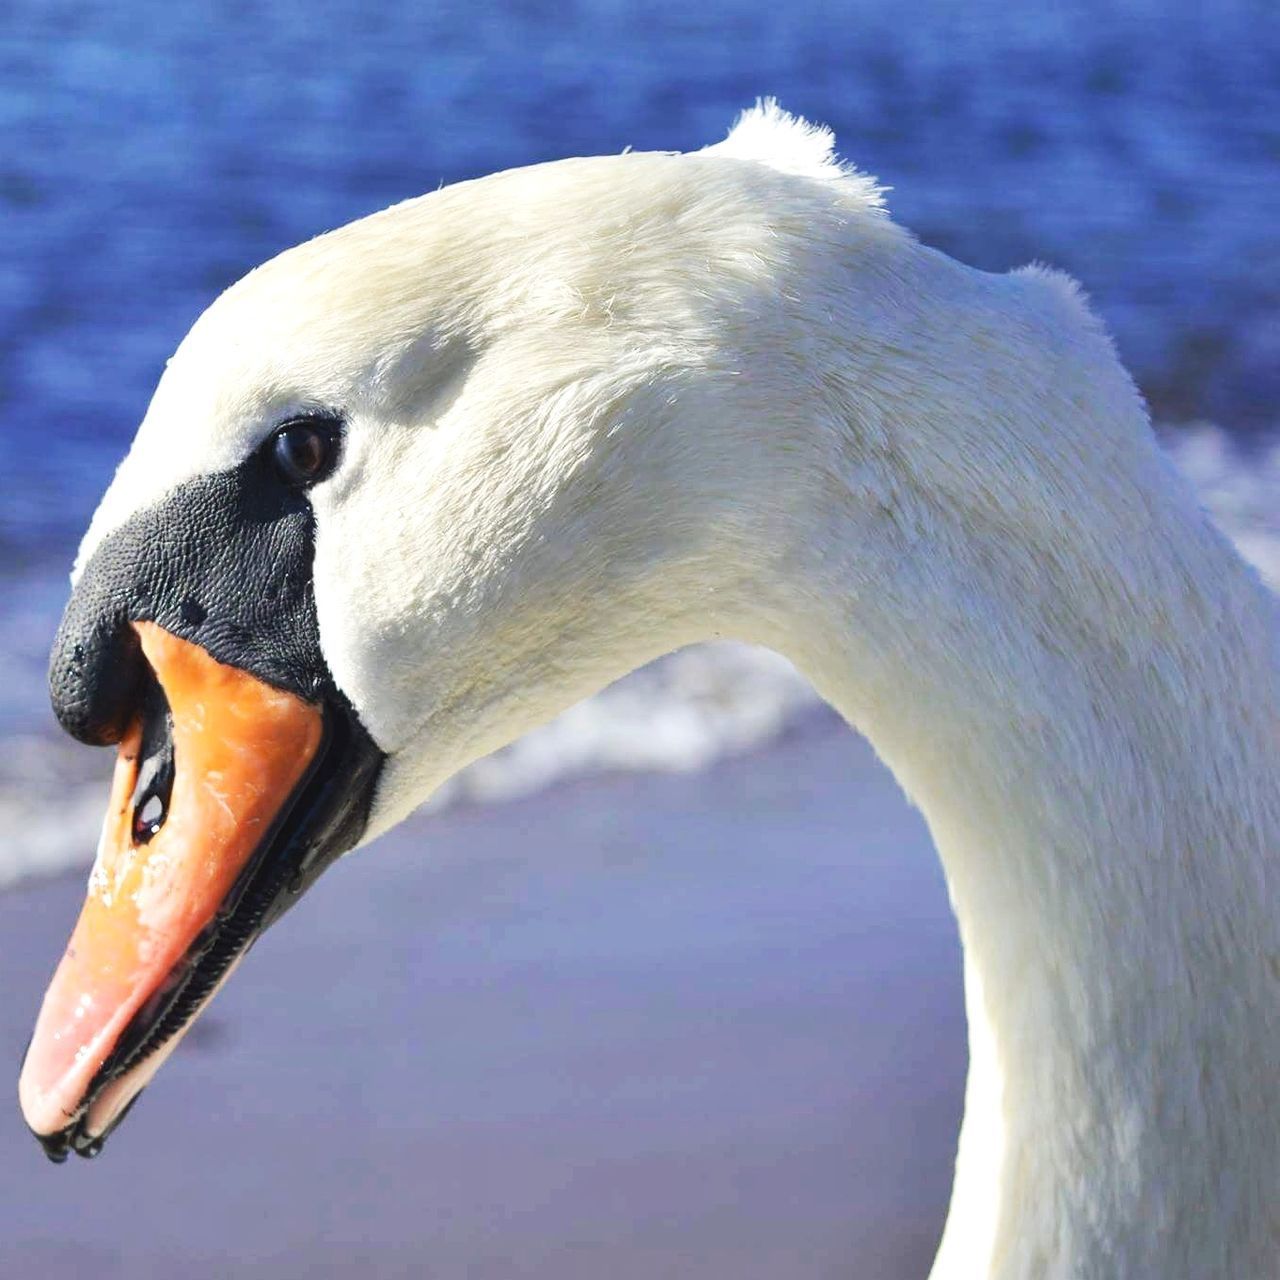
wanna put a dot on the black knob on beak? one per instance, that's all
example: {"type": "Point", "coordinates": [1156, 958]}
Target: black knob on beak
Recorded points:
{"type": "Point", "coordinates": [95, 670]}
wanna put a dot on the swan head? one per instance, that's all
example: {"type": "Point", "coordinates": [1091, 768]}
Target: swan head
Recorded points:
{"type": "Point", "coordinates": [414, 487]}
{"type": "Point", "coordinates": [402, 493]}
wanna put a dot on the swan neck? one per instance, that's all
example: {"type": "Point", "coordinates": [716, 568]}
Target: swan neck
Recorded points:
{"type": "Point", "coordinates": [1102, 791]}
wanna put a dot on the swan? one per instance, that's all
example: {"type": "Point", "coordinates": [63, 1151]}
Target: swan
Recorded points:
{"type": "Point", "coordinates": [416, 486]}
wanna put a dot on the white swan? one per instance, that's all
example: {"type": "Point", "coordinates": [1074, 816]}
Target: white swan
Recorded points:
{"type": "Point", "coordinates": [545, 426]}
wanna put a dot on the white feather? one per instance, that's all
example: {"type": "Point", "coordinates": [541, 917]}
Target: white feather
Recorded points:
{"type": "Point", "coordinates": [602, 408]}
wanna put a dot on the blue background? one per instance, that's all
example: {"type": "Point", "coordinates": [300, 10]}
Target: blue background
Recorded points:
{"type": "Point", "coordinates": [154, 152]}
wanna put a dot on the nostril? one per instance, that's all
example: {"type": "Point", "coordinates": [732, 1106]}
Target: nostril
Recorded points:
{"type": "Point", "coordinates": [154, 783]}
{"type": "Point", "coordinates": [148, 818]}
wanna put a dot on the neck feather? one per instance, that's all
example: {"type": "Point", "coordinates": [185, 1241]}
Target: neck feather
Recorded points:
{"type": "Point", "coordinates": [1092, 734]}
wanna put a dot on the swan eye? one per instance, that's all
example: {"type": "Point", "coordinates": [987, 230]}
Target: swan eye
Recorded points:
{"type": "Point", "coordinates": [304, 452]}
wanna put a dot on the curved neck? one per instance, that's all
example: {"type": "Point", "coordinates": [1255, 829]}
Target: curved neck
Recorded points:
{"type": "Point", "coordinates": [1094, 744]}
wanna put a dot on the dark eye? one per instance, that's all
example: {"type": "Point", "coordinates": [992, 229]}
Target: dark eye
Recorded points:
{"type": "Point", "coordinates": [304, 452]}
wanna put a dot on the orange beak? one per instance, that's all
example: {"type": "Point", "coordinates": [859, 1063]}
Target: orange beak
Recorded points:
{"type": "Point", "coordinates": [201, 781]}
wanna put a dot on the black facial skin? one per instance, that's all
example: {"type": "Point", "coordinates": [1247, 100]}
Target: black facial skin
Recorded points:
{"type": "Point", "coordinates": [224, 561]}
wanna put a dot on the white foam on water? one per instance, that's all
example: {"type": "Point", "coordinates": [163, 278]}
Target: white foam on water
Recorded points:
{"type": "Point", "coordinates": [1240, 491]}
{"type": "Point", "coordinates": [678, 714]}
{"type": "Point", "coordinates": [44, 843]}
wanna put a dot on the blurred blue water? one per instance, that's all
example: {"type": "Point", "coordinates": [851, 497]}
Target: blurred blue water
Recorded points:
{"type": "Point", "coordinates": [153, 152]}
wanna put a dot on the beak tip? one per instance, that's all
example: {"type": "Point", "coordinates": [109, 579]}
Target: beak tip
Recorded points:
{"type": "Point", "coordinates": [76, 1135]}
{"type": "Point", "coordinates": [56, 1144]}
